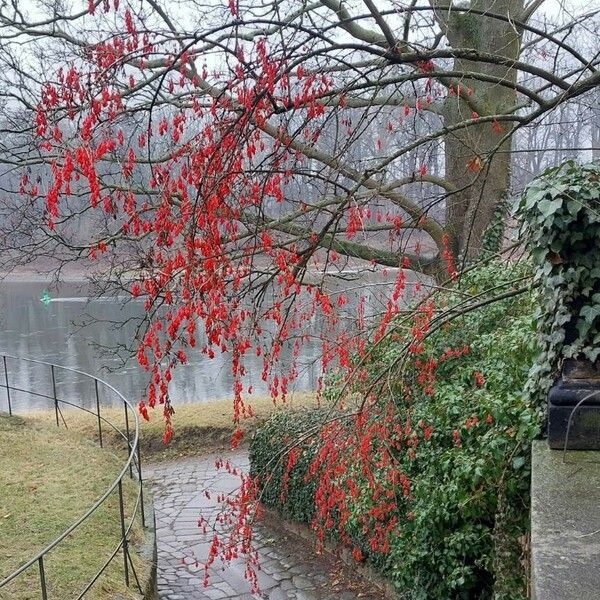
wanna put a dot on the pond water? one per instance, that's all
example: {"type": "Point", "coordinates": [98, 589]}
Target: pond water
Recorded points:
{"type": "Point", "coordinates": [53, 332]}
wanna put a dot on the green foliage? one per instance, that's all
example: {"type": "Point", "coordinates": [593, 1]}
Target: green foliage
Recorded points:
{"type": "Point", "coordinates": [492, 240]}
{"type": "Point", "coordinates": [470, 502]}
{"type": "Point", "coordinates": [460, 530]}
{"type": "Point", "coordinates": [284, 430]}
{"type": "Point", "coordinates": [560, 212]}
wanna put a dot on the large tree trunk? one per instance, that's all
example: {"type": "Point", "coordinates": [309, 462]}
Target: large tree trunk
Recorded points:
{"type": "Point", "coordinates": [480, 189]}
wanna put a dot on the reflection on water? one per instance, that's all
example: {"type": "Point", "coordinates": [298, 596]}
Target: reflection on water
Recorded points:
{"type": "Point", "coordinates": [52, 332]}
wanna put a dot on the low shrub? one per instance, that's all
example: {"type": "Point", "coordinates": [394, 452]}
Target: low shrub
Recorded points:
{"type": "Point", "coordinates": [291, 493]}
{"type": "Point", "coordinates": [462, 523]}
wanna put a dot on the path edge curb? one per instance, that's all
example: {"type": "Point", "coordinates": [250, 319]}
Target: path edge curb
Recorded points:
{"type": "Point", "coordinates": [150, 550]}
{"type": "Point", "coordinates": [303, 531]}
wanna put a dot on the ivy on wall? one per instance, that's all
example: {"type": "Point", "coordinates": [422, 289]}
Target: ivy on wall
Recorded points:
{"type": "Point", "coordinates": [560, 215]}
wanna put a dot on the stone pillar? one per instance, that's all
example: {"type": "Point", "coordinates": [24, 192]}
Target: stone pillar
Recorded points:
{"type": "Point", "coordinates": [574, 407]}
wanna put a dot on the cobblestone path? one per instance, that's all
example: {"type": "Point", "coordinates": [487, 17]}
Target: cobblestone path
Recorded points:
{"type": "Point", "coordinates": [289, 567]}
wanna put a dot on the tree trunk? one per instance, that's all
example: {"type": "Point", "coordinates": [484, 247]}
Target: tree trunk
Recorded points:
{"type": "Point", "coordinates": [480, 189]}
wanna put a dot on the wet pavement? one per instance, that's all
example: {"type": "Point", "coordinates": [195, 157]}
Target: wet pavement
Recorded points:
{"type": "Point", "coordinates": [289, 566]}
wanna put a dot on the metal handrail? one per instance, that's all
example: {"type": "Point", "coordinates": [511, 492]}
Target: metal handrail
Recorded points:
{"type": "Point", "coordinates": [133, 459]}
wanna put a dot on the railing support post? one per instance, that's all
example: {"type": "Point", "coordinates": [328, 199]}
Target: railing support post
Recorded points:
{"type": "Point", "coordinates": [128, 439]}
{"type": "Point", "coordinates": [98, 412]}
{"type": "Point", "coordinates": [7, 387]}
{"type": "Point", "coordinates": [123, 535]}
{"type": "Point", "coordinates": [43, 578]}
{"type": "Point", "coordinates": [54, 394]}
{"type": "Point", "coordinates": [139, 462]}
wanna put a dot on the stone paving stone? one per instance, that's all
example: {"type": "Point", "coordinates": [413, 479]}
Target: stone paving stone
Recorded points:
{"type": "Point", "coordinates": [289, 567]}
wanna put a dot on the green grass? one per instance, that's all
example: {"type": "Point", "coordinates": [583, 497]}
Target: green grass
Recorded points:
{"type": "Point", "coordinates": [48, 478]}
{"type": "Point", "coordinates": [198, 427]}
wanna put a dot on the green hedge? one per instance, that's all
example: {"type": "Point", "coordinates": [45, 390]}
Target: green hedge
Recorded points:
{"type": "Point", "coordinates": [268, 462]}
{"type": "Point", "coordinates": [460, 534]}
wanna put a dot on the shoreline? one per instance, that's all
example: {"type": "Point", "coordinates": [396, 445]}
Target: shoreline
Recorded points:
{"type": "Point", "coordinates": [36, 277]}
{"type": "Point", "coordinates": [197, 427]}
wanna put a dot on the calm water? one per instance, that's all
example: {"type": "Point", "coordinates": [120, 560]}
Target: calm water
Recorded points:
{"type": "Point", "coordinates": [54, 333]}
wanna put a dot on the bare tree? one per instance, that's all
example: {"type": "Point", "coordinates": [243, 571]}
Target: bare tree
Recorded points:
{"type": "Point", "coordinates": [230, 148]}
{"type": "Point", "coordinates": [450, 75]}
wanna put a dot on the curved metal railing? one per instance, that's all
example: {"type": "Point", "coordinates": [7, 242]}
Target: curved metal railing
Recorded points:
{"type": "Point", "coordinates": [132, 465]}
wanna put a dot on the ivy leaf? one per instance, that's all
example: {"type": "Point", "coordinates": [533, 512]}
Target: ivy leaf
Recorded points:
{"type": "Point", "coordinates": [573, 206]}
{"type": "Point", "coordinates": [548, 207]}
{"type": "Point", "coordinates": [559, 189]}
{"type": "Point", "coordinates": [518, 462]}
{"type": "Point", "coordinates": [532, 197]}
{"type": "Point", "coordinates": [589, 313]}
{"type": "Point", "coordinates": [592, 353]}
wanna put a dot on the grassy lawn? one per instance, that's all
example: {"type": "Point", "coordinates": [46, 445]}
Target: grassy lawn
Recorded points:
{"type": "Point", "coordinates": [197, 427]}
{"type": "Point", "coordinates": [48, 478]}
